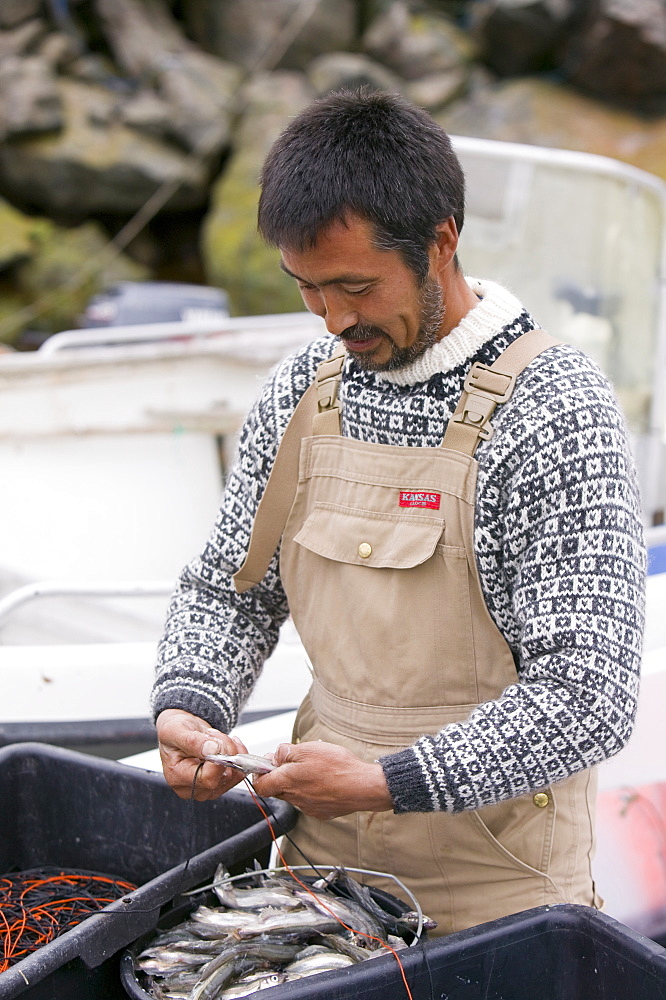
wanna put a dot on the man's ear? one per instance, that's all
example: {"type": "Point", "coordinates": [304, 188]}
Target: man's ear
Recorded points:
{"type": "Point", "coordinates": [446, 243]}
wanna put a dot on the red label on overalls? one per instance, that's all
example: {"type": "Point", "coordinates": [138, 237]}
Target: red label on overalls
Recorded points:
{"type": "Point", "coordinates": [418, 498]}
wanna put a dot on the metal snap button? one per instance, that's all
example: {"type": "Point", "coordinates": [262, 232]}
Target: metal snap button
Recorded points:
{"type": "Point", "coordinates": [541, 800]}
{"type": "Point", "coordinates": [365, 550]}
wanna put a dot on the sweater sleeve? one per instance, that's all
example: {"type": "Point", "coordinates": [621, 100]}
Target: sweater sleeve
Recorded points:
{"type": "Point", "coordinates": [563, 572]}
{"type": "Point", "coordinates": [215, 641]}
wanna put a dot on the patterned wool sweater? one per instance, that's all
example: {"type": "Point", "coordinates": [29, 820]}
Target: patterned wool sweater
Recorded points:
{"type": "Point", "coordinates": [558, 540]}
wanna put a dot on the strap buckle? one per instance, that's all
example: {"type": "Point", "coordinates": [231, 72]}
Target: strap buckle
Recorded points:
{"type": "Point", "coordinates": [327, 394]}
{"type": "Point", "coordinates": [489, 381]}
{"type": "Point", "coordinates": [328, 383]}
{"type": "Point", "coordinates": [477, 413]}
{"type": "Point", "coordinates": [485, 387]}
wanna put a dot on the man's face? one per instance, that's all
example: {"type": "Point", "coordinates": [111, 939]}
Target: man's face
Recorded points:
{"type": "Point", "coordinates": [368, 297]}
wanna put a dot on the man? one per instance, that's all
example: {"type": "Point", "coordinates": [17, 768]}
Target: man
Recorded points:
{"type": "Point", "coordinates": [473, 611]}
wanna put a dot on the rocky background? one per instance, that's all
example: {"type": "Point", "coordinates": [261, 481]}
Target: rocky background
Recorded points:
{"type": "Point", "coordinates": [132, 131]}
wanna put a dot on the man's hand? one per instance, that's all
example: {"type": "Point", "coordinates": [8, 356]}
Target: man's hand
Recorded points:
{"type": "Point", "coordinates": [324, 780]}
{"type": "Point", "coordinates": [184, 740]}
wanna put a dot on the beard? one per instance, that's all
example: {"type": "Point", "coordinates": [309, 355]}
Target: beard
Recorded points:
{"type": "Point", "coordinates": [429, 332]}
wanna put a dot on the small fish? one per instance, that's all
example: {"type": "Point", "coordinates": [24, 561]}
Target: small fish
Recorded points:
{"type": "Point", "coordinates": [313, 964]}
{"type": "Point", "coordinates": [252, 984]}
{"type": "Point", "coordinates": [398, 926]}
{"type": "Point", "coordinates": [154, 967]}
{"type": "Point", "coordinates": [264, 949]}
{"type": "Point", "coordinates": [183, 982]}
{"type": "Point", "coordinates": [363, 897]}
{"type": "Point", "coordinates": [270, 920]}
{"type": "Point", "coordinates": [214, 982]}
{"type": "Point", "coordinates": [359, 952]}
{"type": "Point", "coordinates": [256, 899]}
{"type": "Point", "coordinates": [348, 911]}
{"type": "Point", "coordinates": [312, 949]}
{"type": "Point", "coordinates": [222, 921]}
{"type": "Point", "coordinates": [409, 921]}
{"type": "Point", "coordinates": [159, 962]}
{"type": "Point", "coordinates": [185, 944]}
{"type": "Point", "coordinates": [248, 763]}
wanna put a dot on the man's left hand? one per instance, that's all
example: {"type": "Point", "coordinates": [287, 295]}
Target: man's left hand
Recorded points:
{"type": "Point", "coordinates": [324, 780]}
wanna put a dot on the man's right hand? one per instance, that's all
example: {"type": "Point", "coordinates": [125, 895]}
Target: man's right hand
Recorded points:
{"type": "Point", "coordinates": [184, 740]}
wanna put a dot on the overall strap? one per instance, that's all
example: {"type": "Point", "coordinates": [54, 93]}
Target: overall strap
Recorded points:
{"type": "Point", "coordinates": [317, 412]}
{"type": "Point", "coordinates": [486, 386]}
{"type": "Point", "coordinates": [327, 382]}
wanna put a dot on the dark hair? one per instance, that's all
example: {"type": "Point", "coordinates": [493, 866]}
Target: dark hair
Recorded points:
{"type": "Point", "coordinates": [369, 154]}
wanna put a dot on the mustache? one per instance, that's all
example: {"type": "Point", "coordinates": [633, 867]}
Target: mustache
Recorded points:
{"type": "Point", "coordinates": [362, 331]}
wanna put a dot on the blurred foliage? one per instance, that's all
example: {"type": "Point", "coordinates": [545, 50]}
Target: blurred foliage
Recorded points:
{"type": "Point", "coordinates": [53, 270]}
{"type": "Point", "coordinates": [237, 259]}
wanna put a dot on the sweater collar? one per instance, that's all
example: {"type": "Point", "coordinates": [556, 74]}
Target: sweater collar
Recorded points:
{"type": "Point", "coordinates": [496, 309]}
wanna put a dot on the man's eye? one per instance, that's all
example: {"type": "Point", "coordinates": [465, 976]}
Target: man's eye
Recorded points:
{"type": "Point", "coordinates": [356, 290]}
{"type": "Point", "coordinates": [305, 288]}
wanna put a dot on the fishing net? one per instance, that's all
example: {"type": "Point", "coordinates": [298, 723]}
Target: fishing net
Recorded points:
{"type": "Point", "coordinates": [38, 905]}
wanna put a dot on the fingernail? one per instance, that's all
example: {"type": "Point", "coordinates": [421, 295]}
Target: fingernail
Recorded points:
{"type": "Point", "coordinates": [210, 747]}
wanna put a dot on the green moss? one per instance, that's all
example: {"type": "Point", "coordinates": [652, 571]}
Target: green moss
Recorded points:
{"type": "Point", "coordinates": [11, 306]}
{"type": "Point", "coordinates": [20, 234]}
{"type": "Point", "coordinates": [49, 278]}
{"type": "Point", "coordinates": [235, 256]}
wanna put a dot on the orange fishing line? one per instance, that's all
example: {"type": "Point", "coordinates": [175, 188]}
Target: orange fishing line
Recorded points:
{"type": "Point", "coordinates": [27, 924]}
{"type": "Point", "coordinates": [370, 937]}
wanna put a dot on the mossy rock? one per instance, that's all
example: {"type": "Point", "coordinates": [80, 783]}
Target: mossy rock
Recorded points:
{"type": "Point", "coordinates": [57, 280]}
{"type": "Point", "coordinates": [12, 304]}
{"type": "Point", "coordinates": [235, 257]}
{"type": "Point", "coordinates": [238, 260]}
{"type": "Point", "coordinates": [20, 234]}
{"type": "Point", "coordinates": [96, 163]}
{"type": "Point", "coordinates": [539, 112]}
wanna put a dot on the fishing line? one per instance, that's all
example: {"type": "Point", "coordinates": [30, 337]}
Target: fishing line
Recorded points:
{"type": "Point", "coordinates": [352, 930]}
{"type": "Point", "coordinates": [192, 827]}
{"type": "Point", "coordinates": [38, 905]}
{"type": "Point", "coordinates": [255, 795]}
{"type": "Point", "coordinates": [316, 868]}
{"type": "Point", "coordinates": [270, 818]}
{"type": "Point", "coordinates": [268, 814]}
{"type": "Point", "coordinates": [424, 956]}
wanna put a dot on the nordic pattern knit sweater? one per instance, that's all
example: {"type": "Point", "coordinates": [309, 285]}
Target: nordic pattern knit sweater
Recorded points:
{"type": "Point", "coordinates": [559, 546]}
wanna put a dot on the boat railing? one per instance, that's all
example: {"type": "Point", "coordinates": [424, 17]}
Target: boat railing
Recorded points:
{"type": "Point", "coordinates": [197, 330]}
{"type": "Point", "coordinates": [56, 588]}
{"type": "Point", "coordinates": [581, 239]}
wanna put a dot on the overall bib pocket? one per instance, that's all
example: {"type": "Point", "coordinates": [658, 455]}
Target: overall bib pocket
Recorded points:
{"type": "Point", "coordinates": [369, 539]}
{"type": "Point", "coordinates": [371, 567]}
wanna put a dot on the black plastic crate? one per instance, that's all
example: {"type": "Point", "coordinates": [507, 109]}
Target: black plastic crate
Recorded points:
{"type": "Point", "coordinates": [69, 809]}
{"type": "Point", "coordinates": [561, 952]}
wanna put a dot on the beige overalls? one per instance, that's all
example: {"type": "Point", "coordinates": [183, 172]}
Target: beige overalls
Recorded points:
{"type": "Point", "coordinates": [378, 564]}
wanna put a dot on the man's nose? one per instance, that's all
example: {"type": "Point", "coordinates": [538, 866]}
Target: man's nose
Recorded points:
{"type": "Point", "coordinates": [338, 316]}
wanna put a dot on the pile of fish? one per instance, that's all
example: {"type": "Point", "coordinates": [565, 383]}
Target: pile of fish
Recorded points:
{"type": "Point", "coordinates": [272, 931]}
